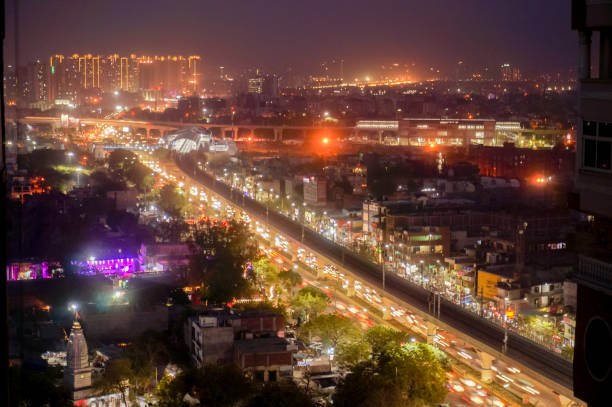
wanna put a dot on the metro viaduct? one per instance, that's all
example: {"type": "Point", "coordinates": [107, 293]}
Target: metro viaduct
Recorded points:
{"type": "Point", "coordinates": [163, 128]}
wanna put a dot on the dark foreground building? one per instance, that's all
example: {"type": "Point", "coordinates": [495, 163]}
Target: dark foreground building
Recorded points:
{"type": "Point", "coordinates": [593, 184]}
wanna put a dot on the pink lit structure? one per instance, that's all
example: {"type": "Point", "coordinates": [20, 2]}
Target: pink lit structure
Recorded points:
{"type": "Point", "coordinates": [121, 266]}
{"type": "Point", "coordinates": [32, 271]}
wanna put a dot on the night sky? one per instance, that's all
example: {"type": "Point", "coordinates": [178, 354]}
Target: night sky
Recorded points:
{"type": "Point", "coordinates": [533, 34]}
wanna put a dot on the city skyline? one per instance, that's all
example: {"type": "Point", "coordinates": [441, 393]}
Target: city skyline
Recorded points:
{"type": "Point", "coordinates": [307, 204]}
{"type": "Point", "coordinates": [268, 35]}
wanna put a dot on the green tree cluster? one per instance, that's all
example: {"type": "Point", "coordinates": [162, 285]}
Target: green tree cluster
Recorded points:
{"type": "Point", "coordinates": [309, 303]}
{"type": "Point", "coordinates": [116, 379]}
{"type": "Point", "coordinates": [412, 374]}
{"type": "Point", "coordinates": [223, 251]}
{"type": "Point", "coordinates": [224, 386]}
{"type": "Point", "coordinates": [371, 345]}
{"type": "Point", "coordinates": [172, 200]}
{"type": "Point", "coordinates": [270, 276]}
{"type": "Point", "coordinates": [331, 329]}
{"type": "Point", "coordinates": [125, 164]}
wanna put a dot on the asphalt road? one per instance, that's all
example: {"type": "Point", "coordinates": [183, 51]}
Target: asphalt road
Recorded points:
{"type": "Point", "coordinates": [520, 349]}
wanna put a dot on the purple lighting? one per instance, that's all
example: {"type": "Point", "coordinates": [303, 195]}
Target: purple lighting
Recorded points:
{"type": "Point", "coordinates": [33, 271]}
{"type": "Point", "coordinates": [107, 266]}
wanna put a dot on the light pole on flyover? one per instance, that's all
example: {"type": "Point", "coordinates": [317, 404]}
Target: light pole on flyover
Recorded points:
{"type": "Point", "coordinates": [505, 344]}
{"type": "Point", "coordinates": [303, 220]}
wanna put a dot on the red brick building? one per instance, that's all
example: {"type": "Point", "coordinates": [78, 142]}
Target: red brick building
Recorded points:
{"type": "Point", "coordinates": [522, 163]}
{"type": "Point", "coordinates": [266, 359]}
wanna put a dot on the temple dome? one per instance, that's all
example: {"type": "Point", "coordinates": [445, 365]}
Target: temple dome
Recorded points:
{"type": "Point", "coordinates": [77, 356]}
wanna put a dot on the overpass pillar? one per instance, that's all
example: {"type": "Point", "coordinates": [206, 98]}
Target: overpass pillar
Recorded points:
{"type": "Point", "coordinates": [350, 290]}
{"type": "Point", "coordinates": [431, 332]}
{"type": "Point", "coordinates": [386, 315]}
{"type": "Point", "coordinates": [380, 136]}
{"type": "Point", "coordinates": [224, 131]}
{"type": "Point", "coordinates": [486, 361]}
{"type": "Point", "coordinates": [278, 134]}
{"type": "Point", "coordinates": [148, 132]}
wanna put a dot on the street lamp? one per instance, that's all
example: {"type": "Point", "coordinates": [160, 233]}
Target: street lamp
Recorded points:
{"type": "Point", "coordinates": [505, 344]}
{"type": "Point", "coordinates": [382, 265]}
{"type": "Point", "coordinates": [303, 220]}
{"type": "Point", "coordinates": [422, 266]}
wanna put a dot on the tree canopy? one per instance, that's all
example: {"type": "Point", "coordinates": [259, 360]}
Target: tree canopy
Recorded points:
{"type": "Point", "coordinates": [331, 329]}
{"type": "Point", "coordinates": [214, 386]}
{"type": "Point", "coordinates": [309, 302]}
{"type": "Point", "coordinates": [219, 264]}
{"type": "Point", "coordinates": [172, 200]}
{"type": "Point", "coordinates": [28, 388]}
{"type": "Point", "coordinates": [381, 337]}
{"type": "Point", "coordinates": [121, 161]}
{"type": "Point", "coordinates": [125, 164]}
{"type": "Point", "coordinates": [401, 375]}
{"type": "Point", "coordinates": [116, 378]}
{"type": "Point", "coordinates": [280, 395]}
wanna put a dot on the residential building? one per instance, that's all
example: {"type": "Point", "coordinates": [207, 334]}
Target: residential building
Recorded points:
{"type": "Point", "coordinates": [523, 163]}
{"type": "Point", "coordinates": [427, 243]}
{"type": "Point", "coordinates": [251, 339]}
{"type": "Point", "coordinates": [210, 339]}
{"type": "Point", "coordinates": [315, 191]}
{"type": "Point", "coordinates": [265, 359]}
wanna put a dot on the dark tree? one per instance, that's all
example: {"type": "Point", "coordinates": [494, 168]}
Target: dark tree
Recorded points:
{"type": "Point", "coordinates": [280, 395]}
{"type": "Point", "coordinates": [214, 386]}
{"type": "Point", "coordinates": [172, 200]}
{"type": "Point", "coordinates": [222, 253]}
{"type": "Point", "coordinates": [29, 388]}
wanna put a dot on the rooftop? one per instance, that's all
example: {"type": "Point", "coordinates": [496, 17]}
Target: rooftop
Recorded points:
{"type": "Point", "coordinates": [262, 345]}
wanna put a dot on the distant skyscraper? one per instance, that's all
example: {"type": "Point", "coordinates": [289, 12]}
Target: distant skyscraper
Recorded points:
{"type": "Point", "coordinates": [32, 82]}
{"type": "Point", "coordinates": [461, 71]}
{"type": "Point", "coordinates": [11, 91]}
{"type": "Point", "coordinates": [66, 77]}
{"type": "Point", "coordinates": [265, 85]}
{"type": "Point", "coordinates": [510, 73]}
{"type": "Point", "coordinates": [255, 85]}
{"type": "Point", "coordinates": [89, 70]}
{"type": "Point", "coordinates": [109, 73]}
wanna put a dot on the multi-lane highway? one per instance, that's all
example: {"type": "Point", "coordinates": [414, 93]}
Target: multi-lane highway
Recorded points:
{"type": "Point", "coordinates": [352, 297]}
{"type": "Point", "coordinates": [481, 331]}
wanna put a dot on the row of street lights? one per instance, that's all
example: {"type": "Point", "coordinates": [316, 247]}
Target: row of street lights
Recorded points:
{"type": "Point", "coordinates": [322, 223]}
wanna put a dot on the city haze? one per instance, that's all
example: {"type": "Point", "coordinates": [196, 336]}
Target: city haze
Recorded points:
{"type": "Point", "coordinates": [276, 35]}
